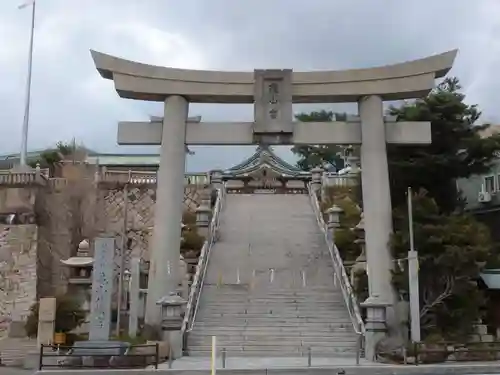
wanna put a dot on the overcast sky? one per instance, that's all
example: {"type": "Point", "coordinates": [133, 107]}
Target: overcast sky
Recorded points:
{"type": "Point", "coordinates": [70, 99]}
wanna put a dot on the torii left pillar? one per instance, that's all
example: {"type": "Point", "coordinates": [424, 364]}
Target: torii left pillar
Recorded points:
{"type": "Point", "coordinates": [165, 249]}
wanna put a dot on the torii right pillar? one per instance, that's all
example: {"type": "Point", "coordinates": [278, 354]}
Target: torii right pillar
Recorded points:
{"type": "Point", "coordinates": [377, 211]}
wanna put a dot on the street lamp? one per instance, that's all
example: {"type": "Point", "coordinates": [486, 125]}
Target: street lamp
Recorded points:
{"type": "Point", "coordinates": [24, 136]}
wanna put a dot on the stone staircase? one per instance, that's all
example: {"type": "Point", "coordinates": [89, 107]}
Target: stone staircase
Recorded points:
{"type": "Point", "coordinates": [13, 351]}
{"type": "Point", "coordinates": [269, 288]}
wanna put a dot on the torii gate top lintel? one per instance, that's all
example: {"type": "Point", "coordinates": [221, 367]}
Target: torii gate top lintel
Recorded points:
{"type": "Point", "coordinates": [405, 80]}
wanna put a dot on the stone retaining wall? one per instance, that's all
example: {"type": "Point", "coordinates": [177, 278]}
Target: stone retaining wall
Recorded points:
{"type": "Point", "coordinates": [18, 260]}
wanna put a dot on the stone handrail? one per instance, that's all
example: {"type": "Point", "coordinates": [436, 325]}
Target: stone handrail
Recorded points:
{"type": "Point", "coordinates": [340, 272]}
{"type": "Point", "coordinates": [34, 176]}
{"type": "Point", "coordinates": [201, 268]}
{"type": "Point", "coordinates": [127, 177]}
{"type": "Point", "coordinates": [142, 177]}
{"type": "Point", "coordinates": [333, 179]}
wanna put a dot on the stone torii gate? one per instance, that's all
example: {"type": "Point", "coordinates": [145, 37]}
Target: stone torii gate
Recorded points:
{"type": "Point", "coordinates": [272, 92]}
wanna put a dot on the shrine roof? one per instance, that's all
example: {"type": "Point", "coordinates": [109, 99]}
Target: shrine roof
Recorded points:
{"type": "Point", "coordinates": [264, 156]}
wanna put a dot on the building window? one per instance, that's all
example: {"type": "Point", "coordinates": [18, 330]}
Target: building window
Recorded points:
{"type": "Point", "coordinates": [489, 184]}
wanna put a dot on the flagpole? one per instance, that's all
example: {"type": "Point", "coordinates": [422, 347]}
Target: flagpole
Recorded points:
{"type": "Point", "coordinates": [24, 137]}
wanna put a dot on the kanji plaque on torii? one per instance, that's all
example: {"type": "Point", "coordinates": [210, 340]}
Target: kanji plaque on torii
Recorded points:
{"type": "Point", "coordinates": [273, 113]}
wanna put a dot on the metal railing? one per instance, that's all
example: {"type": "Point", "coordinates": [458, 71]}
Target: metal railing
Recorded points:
{"type": "Point", "coordinates": [341, 274]}
{"type": "Point", "coordinates": [201, 268]}
{"type": "Point", "coordinates": [229, 357]}
{"type": "Point", "coordinates": [110, 357]}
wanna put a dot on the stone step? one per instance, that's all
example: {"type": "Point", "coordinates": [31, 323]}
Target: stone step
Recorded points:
{"type": "Point", "coordinates": [260, 317]}
{"type": "Point", "coordinates": [275, 302]}
{"type": "Point", "coordinates": [278, 321]}
{"type": "Point", "coordinates": [289, 302]}
{"type": "Point", "coordinates": [281, 325]}
{"type": "Point", "coordinates": [229, 315]}
{"type": "Point", "coordinates": [237, 290]}
{"type": "Point", "coordinates": [271, 312]}
{"type": "Point", "coordinates": [271, 351]}
{"type": "Point", "coordinates": [248, 335]}
{"type": "Point", "coordinates": [306, 328]}
{"type": "Point", "coordinates": [232, 309]}
{"type": "Point", "coordinates": [13, 350]}
{"type": "Point", "coordinates": [222, 342]}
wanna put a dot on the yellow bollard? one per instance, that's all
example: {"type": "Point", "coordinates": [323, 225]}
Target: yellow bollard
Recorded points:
{"type": "Point", "coordinates": [214, 354]}
{"type": "Point", "coordinates": [219, 280]}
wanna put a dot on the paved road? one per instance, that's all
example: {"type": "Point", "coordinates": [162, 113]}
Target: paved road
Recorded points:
{"type": "Point", "coordinates": [15, 371]}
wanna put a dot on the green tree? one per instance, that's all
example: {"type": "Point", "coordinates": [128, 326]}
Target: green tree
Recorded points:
{"type": "Point", "coordinates": [451, 249]}
{"type": "Point", "coordinates": [456, 151]}
{"type": "Point", "coordinates": [63, 151]}
{"type": "Point", "coordinates": [311, 156]}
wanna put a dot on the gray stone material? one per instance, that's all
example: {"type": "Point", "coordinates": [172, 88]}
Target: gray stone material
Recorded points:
{"type": "Point", "coordinates": [18, 281]}
{"type": "Point", "coordinates": [269, 288]}
{"type": "Point", "coordinates": [165, 247]}
{"type": "Point", "coordinates": [393, 82]}
{"type": "Point", "coordinates": [102, 289]}
{"type": "Point", "coordinates": [273, 101]}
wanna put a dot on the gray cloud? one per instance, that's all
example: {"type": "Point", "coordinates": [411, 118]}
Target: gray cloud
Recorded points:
{"type": "Point", "coordinates": [70, 99]}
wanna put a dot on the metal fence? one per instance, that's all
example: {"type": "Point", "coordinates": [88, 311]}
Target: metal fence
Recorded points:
{"type": "Point", "coordinates": [110, 357]}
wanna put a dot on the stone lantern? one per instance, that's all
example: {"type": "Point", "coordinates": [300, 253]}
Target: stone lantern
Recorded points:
{"type": "Point", "coordinates": [216, 178]}
{"type": "Point", "coordinates": [203, 214]}
{"type": "Point", "coordinates": [80, 276]}
{"type": "Point", "coordinates": [316, 177]}
{"type": "Point", "coordinates": [333, 220]}
{"type": "Point", "coordinates": [172, 314]}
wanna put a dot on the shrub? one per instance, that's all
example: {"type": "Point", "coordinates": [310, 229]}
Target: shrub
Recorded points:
{"type": "Point", "coordinates": [69, 315]}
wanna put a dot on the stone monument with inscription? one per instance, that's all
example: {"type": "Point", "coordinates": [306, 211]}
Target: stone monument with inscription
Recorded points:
{"type": "Point", "coordinates": [102, 289]}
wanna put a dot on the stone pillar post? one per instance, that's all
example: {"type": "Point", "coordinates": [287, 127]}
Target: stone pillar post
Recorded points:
{"type": "Point", "coordinates": [165, 250]}
{"type": "Point", "coordinates": [377, 222]}
{"type": "Point", "coordinates": [333, 220]}
{"type": "Point", "coordinates": [171, 308]}
{"type": "Point", "coordinates": [375, 324]}
{"type": "Point", "coordinates": [376, 197]}
{"type": "Point", "coordinates": [316, 176]}
{"type": "Point", "coordinates": [203, 214]}
{"type": "Point", "coordinates": [216, 178]}
{"type": "Point", "coordinates": [46, 320]}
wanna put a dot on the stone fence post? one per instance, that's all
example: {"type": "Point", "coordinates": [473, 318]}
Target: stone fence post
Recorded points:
{"type": "Point", "coordinates": [204, 214]}
{"type": "Point", "coordinates": [216, 178]}
{"type": "Point", "coordinates": [333, 220]}
{"type": "Point", "coordinates": [316, 177]}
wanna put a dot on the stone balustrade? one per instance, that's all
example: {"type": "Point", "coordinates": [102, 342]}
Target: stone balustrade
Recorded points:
{"type": "Point", "coordinates": [18, 179]}
{"type": "Point", "coordinates": [335, 180]}
{"type": "Point", "coordinates": [145, 177]}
